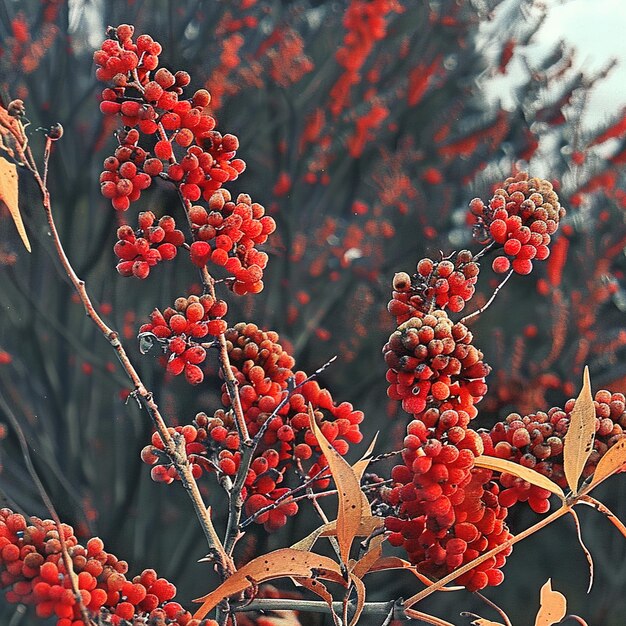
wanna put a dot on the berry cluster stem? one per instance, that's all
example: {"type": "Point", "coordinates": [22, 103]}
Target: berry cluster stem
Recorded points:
{"type": "Point", "coordinates": [176, 452]}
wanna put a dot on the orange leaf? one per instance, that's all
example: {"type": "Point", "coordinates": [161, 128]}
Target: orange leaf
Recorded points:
{"type": "Point", "coordinates": [348, 489]}
{"type": "Point", "coordinates": [584, 547]}
{"type": "Point", "coordinates": [359, 587]}
{"type": "Point", "coordinates": [9, 196]}
{"type": "Point", "coordinates": [613, 462]}
{"type": "Point", "coordinates": [394, 562]}
{"type": "Point", "coordinates": [578, 442]}
{"type": "Point", "coordinates": [485, 622]}
{"type": "Point", "coordinates": [359, 467]}
{"type": "Point", "coordinates": [375, 551]}
{"type": "Point", "coordinates": [553, 606]}
{"type": "Point", "coordinates": [285, 562]}
{"type": "Point", "coordinates": [320, 589]}
{"type": "Point", "coordinates": [367, 525]}
{"type": "Point", "coordinates": [525, 473]}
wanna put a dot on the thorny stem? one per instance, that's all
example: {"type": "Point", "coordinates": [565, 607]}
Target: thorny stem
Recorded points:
{"type": "Point", "coordinates": [466, 319]}
{"type": "Point", "coordinates": [174, 448]}
{"type": "Point", "coordinates": [67, 560]}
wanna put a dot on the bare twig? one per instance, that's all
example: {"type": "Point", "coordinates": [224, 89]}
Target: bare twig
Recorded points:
{"type": "Point", "coordinates": [467, 318]}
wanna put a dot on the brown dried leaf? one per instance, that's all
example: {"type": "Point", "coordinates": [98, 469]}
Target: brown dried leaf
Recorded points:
{"type": "Point", "coordinates": [394, 562]}
{"type": "Point", "coordinates": [374, 552]}
{"type": "Point", "coordinates": [578, 442]}
{"type": "Point", "coordinates": [359, 467]}
{"type": "Point", "coordinates": [553, 606]}
{"type": "Point", "coordinates": [596, 504]}
{"type": "Point", "coordinates": [613, 462]}
{"type": "Point", "coordinates": [282, 563]}
{"type": "Point", "coordinates": [525, 473]}
{"type": "Point", "coordinates": [348, 490]}
{"type": "Point", "coordinates": [359, 587]}
{"type": "Point", "coordinates": [367, 525]}
{"type": "Point", "coordinates": [425, 617]}
{"type": "Point", "coordinates": [485, 622]}
{"type": "Point", "coordinates": [320, 589]}
{"type": "Point", "coordinates": [9, 196]}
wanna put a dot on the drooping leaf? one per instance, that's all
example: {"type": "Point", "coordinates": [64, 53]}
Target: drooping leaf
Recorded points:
{"type": "Point", "coordinates": [596, 504]}
{"type": "Point", "coordinates": [282, 563]}
{"type": "Point", "coordinates": [374, 552]}
{"type": "Point", "coordinates": [320, 590]}
{"type": "Point", "coordinates": [359, 587]}
{"type": "Point", "coordinates": [525, 473]}
{"type": "Point", "coordinates": [584, 547]}
{"type": "Point", "coordinates": [553, 606]}
{"type": "Point", "coordinates": [348, 489]}
{"type": "Point", "coordinates": [9, 196]}
{"type": "Point", "coordinates": [578, 442]}
{"type": "Point", "coordinates": [613, 462]}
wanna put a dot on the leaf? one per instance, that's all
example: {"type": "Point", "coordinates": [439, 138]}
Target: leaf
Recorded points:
{"type": "Point", "coordinates": [613, 462]}
{"type": "Point", "coordinates": [348, 489]}
{"type": "Point", "coordinates": [361, 465]}
{"type": "Point", "coordinates": [9, 196]}
{"type": "Point", "coordinates": [578, 442]}
{"type": "Point", "coordinates": [320, 590]}
{"type": "Point", "coordinates": [285, 562]}
{"type": "Point", "coordinates": [553, 606]}
{"type": "Point", "coordinates": [359, 587]}
{"type": "Point", "coordinates": [375, 552]}
{"type": "Point", "coordinates": [596, 504]}
{"type": "Point", "coordinates": [485, 622]}
{"type": "Point", "coordinates": [584, 547]}
{"type": "Point", "coordinates": [525, 473]}
{"type": "Point", "coordinates": [425, 617]}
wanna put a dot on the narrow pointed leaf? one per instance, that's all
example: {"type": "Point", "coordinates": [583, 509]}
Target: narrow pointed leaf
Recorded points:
{"type": "Point", "coordinates": [394, 562]}
{"type": "Point", "coordinates": [348, 489]}
{"type": "Point", "coordinates": [485, 622]}
{"type": "Point", "coordinates": [578, 442]}
{"type": "Point", "coordinates": [361, 465]}
{"type": "Point", "coordinates": [320, 590]}
{"type": "Point", "coordinates": [374, 553]}
{"type": "Point", "coordinates": [525, 473]}
{"type": "Point", "coordinates": [282, 563]}
{"type": "Point", "coordinates": [425, 617]}
{"type": "Point", "coordinates": [367, 525]}
{"type": "Point", "coordinates": [9, 196]}
{"type": "Point", "coordinates": [596, 504]}
{"type": "Point", "coordinates": [359, 587]}
{"type": "Point", "coordinates": [613, 462]}
{"type": "Point", "coordinates": [553, 606]}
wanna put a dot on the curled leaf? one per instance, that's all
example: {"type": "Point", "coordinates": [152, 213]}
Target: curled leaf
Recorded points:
{"type": "Point", "coordinates": [553, 606]}
{"type": "Point", "coordinates": [348, 490]}
{"type": "Point", "coordinates": [578, 442]}
{"type": "Point", "coordinates": [282, 563]}
{"type": "Point", "coordinates": [525, 473]}
{"type": "Point", "coordinates": [9, 196]}
{"type": "Point", "coordinates": [319, 589]}
{"type": "Point", "coordinates": [584, 547]}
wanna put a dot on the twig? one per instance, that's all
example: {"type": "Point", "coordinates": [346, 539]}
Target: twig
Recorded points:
{"type": "Point", "coordinates": [495, 607]}
{"type": "Point", "coordinates": [467, 318]}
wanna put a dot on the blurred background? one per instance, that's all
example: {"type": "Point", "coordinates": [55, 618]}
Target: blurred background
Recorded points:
{"type": "Point", "coordinates": [367, 127]}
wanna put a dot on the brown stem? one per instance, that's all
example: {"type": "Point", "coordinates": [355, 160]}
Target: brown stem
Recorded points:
{"type": "Point", "coordinates": [174, 448]}
{"type": "Point", "coordinates": [467, 318]}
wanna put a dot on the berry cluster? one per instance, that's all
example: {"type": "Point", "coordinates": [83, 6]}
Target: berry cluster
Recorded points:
{"type": "Point", "coordinates": [227, 235]}
{"type": "Point", "coordinates": [150, 104]}
{"type": "Point", "coordinates": [122, 181]}
{"type": "Point", "coordinates": [536, 441]}
{"type": "Point", "coordinates": [33, 572]}
{"type": "Point", "coordinates": [432, 363]}
{"type": "Point", "coordinates": [520, 219]}
{"type": "Point", "coordinates": [153, 242]}
{"type": "Point", "coordinates": [446, 512]}
{"type": "Point", "coordinates": [448, 283]}
{"type": "Point", "coordinates": [190, 319]}
{"type": "Point", "coordinates": [263, 370]}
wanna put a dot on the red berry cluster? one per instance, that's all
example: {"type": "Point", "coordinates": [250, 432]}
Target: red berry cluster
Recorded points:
{"type": "Point", "coordinates": [448, 283]}
{"type": "Point", "coordinates": [432, 363]}
{"type": "Point", "coordinates": [446, 512]}
{"type": "Point", "coordinates": [227, 235]}
{"type": "Point", "coordinates": [536, 441]}
{"type": "Point", "coordinates": [190, 319]}
{"type": "Point", "coordinates": [520, 218]}
{"type": "Point", "coordinates": [152, 243]}
{"type": "Point", "coordinates": [122, 180]}
{"type": "Point", "coordinates": [33, 572]}
{"type": "Point", "coordinates": [262, 369]}
{"type": "Point", "coordinates": [150, 104]}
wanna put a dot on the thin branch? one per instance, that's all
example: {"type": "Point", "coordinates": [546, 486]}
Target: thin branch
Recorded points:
{"type": "Point", "coordinates": [467, 318]}
{"type": "Point", "coordinates": [174, 447]}
{"type": "Point", "coordinates": [495, 607]}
